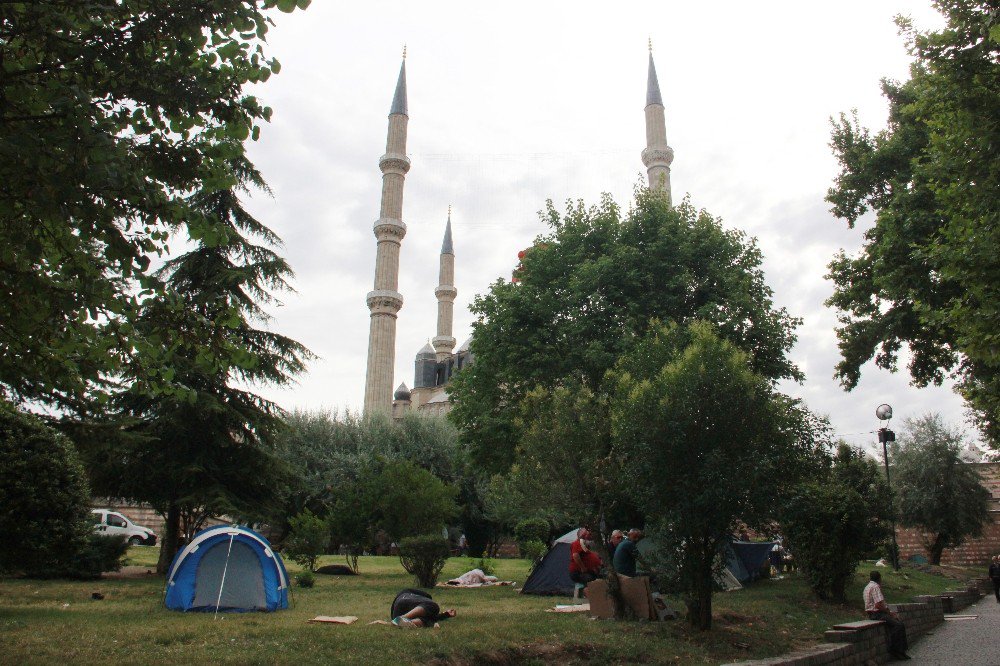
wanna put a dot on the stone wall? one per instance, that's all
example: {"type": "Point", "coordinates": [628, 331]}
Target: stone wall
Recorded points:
{"type": "Point", "coordinates": [974, 552]}
{"type": "Point", "coordinates": [865, 642]}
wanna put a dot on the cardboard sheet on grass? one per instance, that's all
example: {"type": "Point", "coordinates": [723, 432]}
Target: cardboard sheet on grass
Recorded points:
{"type": "Point", "coordinates": [637, 594]}
{"type": "Point", "coordinates": [340, 619]}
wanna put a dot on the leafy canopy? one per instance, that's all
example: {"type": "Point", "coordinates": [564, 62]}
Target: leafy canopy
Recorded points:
{"type": "Point", "coordinates": [111, 115]}
{"type": "Point", "coordinates": [705, 442]}
{"type": "Point", "coordinates": [587, 291]}
{"type": "Point", "coordinates": [937, 491]}
{"type": "Point", "coordinates": [928, 276]}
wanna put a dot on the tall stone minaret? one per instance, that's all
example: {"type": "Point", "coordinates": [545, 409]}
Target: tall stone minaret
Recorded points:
{"type": "Point", "coordinates": [658, 155]}
{"type": "Point", "coordinates": [384, 300]}
{"type": "Point", "coordinates": [446, 293]}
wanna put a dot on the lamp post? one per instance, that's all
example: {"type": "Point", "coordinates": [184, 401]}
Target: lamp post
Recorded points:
{"type": "Point", "coordinates": [884, 413]}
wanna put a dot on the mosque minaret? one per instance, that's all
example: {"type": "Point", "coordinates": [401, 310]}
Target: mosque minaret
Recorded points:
{"type": "Point", "coordinates": [384, 301]}
{"type": "Point", "coordinates": [438, 360]}
{"type": "Point", "coordinates": [445, 292]}
{"type": "Point", "coordinates": [658, 155]}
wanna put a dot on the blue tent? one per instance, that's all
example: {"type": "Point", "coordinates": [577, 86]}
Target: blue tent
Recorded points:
{"type": "Point", "coordinates": [230, 569]}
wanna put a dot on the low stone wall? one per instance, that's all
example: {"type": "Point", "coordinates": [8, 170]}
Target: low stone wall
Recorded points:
{"type": "Point", "coordinates": [864, 642]}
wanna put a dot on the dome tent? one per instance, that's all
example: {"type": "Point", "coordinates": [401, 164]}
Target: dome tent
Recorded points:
{"type": "Point", "coordinates": [230, 569]}
{"type": "Point", "coordinates": [551, 574]}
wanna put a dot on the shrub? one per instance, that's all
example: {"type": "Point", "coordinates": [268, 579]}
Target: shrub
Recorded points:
{"type": "Point", "coordinates": [424, 557]}
{"type": "Point", "coordinates": [305, 578]}
{"type": "Point", "coordinates": [309, 539]}
{"type": "Point", "coordinates": [534, 551]}
{"type": "Point", "coordinates": [44, 498]}
{"type": "Point", "coordinates": [532, 529]}
{"type": "Point", "coordinates": [487, 566]}
{"type": "Point", "coordinates": [825, 524]}
{"type": "Point", "coordinates": [102, 553]}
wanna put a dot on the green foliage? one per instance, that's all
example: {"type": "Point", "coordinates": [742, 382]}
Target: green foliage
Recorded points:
{"type": "Point", "coordinates": [44, 498]}
{"type": "Point", "coordinates": [305, 578]}
{"type": "Point", "coordinates": [406, 500]}
{"type": "Point", "coordinates": [836, 519]}
{"type": "Point", "coordinates": [208, 449]}
{"type": "Point", "coordinates": [534, 550]}
{"type": "Point", "coordinates": [705, 442]}
{"type": "Point", "coordinates": [531, 529]}
{"type": "Point", "coordinates": [309, 539]}
{"type": "Point", "coordinates": [424, 557]}
{"type": "Point", "coordinates": [101, 553]}
{"type": "Point", "coordinates": [484, 564]}
{"type": "Point", "coordinates": [587, 292]}
{"type": "Point", "coordinates": [926, 277]}
{"type": "Point", "coordinates": [329, 455]}
{"type": "Point", "coordinates": [936, 490]}
{"type": "Point", "coordinates": [113, 112]}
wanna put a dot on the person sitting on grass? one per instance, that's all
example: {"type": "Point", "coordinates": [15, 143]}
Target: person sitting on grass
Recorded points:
{"type": "Point", "coordinates": [415, 608]}
{"type": "Point", "coordinates": [627, 553]}
{"type": "Point", "coordinates": [877, 609]}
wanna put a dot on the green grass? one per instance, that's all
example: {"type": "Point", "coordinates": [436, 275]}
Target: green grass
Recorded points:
{"type": "Point", "coordinates": [50, 621]}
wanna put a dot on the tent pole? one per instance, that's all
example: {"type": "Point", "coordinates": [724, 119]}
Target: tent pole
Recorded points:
{"type": "Point", "coordinates": [225, 568]}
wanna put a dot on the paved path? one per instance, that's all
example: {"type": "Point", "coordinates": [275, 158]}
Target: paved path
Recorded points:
{"type": "Point", "coordinates": [962, 642]}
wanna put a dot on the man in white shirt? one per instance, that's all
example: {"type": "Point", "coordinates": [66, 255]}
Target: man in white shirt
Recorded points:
{"type": "Point", "coordinates": [877, 609]}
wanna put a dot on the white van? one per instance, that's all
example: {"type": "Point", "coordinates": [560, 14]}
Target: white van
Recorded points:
{"type": "Point", "coordinates": [113, 523]}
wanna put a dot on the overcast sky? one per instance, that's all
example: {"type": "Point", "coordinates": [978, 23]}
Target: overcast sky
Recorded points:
{"type": "Point", "coordinates": [514, 103]}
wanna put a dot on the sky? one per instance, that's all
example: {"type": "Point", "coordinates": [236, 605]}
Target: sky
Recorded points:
{"type": "Point", "coordinates": [514, 103]}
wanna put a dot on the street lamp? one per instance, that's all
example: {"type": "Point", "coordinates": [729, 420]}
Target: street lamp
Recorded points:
{"type": "Point", "coordinates": [884, 413]}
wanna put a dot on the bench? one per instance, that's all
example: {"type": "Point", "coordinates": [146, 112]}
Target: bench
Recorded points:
{"type": "Point", "coordinates": [860, 625]}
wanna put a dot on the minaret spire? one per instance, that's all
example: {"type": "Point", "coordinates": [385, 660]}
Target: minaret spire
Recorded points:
{"type": "Point", "coordinates": [444, 342]}
{"type": "Point", "coordinates": [658, 155]}
{"type": "Point", "coordinates": [384, 301]}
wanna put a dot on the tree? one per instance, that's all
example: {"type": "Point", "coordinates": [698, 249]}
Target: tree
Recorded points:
{"type": "Point", "coordinates": [835, 519]}
{"type": "Point", "coordinates": [586, 294]}
{"type": "Point", "coordinates": [204, 444]}
{"type": "Point", "coordinates": [937, 492]}
{"type": "Point", "coordinates": [111, 114]}
{"type": "Point", "coordinates": [407, 501]}
{"type": "Point", "coordinates": [566, 468]}
{"type": "Point", "coordinates": [44, 498]}
{"type": "Point", "coordinates": [309, 539]}
{"type": "Point", "coordinates": [706, 443]}
{"type": "Point", "coordinates": [927, 276]}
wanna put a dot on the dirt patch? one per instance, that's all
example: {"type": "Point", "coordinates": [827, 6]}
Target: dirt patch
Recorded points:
{"type": "Point", "coordinates": [729, 617]}
{"type": "Point", "coordinates": [541, 653]}
{"type": "Point", "coordinates": [130, 572]}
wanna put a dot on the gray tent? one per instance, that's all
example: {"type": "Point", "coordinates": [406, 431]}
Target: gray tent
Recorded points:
{"type": "Point", "coordinates": [551, 574]}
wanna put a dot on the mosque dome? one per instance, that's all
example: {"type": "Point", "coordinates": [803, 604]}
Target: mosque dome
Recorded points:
{"type": "Point", "coordinates": [402, 393]}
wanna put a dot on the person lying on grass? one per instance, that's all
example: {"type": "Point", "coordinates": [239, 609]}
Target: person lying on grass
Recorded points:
{"type": "Point", "coordinates": [415, 608]}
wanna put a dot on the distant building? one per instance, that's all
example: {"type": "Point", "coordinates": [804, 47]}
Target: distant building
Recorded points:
{"type": "Point", "coordinates": [438, 361]}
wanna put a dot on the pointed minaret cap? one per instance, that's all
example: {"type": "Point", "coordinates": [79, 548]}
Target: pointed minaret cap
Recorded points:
{"type": "Point", "coordinates": [402, 393]}
{"type": "Point", "coordinates": [426, 350]}
{"type": "Point", "coordinates": [652, 85]}
{"type": "Point", "coordinates": [399, 99]}
{"type": "Point", "coordinates": [446, 247]}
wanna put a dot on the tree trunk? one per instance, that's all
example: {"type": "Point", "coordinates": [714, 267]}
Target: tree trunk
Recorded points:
{"type": "Point", "coordinates": [705, 594]}
{"type": "Point", "coordinates": [937, 548]}
{"type": "Point", "coordinates": [171, 538]}
{"type": "Point", "coordinates": [699, 599]}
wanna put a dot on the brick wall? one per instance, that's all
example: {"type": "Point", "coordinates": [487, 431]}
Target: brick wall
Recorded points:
{"type": "Point", "coordinates": [865, 642]}
{"type": "Point", "coordinates": [974, 551]}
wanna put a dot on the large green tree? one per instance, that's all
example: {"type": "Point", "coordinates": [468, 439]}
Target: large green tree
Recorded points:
{"type": "Point", "coordinates": [837, 517]}
{"type": "Point", "coordinates": [111, 115]}
{"type": "Point", "coordinates": [707, 442]}
{"type": "Point", "coordinates": [928, 276]}
{"type": "Point", "coordinates": [204, 444]}
{"type": "Point", "coordinates": [937, 491]}
{"type": "Point", "coordinates": [586, 293]}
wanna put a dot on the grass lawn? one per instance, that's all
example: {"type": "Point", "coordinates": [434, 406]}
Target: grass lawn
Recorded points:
{"type": "Point", "coordinates": [57, 621]}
